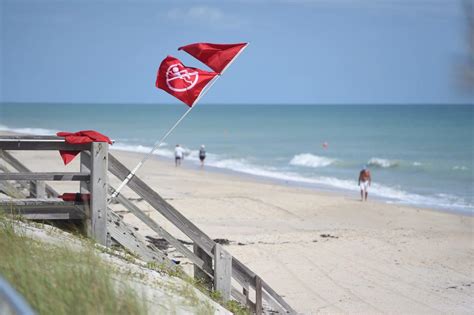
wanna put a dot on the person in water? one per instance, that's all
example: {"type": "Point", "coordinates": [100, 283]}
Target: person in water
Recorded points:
{"type": "Point", "coordinates": [202, 154]}
{"type": "Point", "coordinates": [178, 155]}
{"type": "Point", "coordinates": [364, 182]}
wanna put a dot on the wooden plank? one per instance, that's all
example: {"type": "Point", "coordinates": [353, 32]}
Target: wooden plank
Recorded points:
{"type": "Point", "coordinates": [51, 176]}
{"type": "Point", "coordinates": [32, 144]}
{"type": "Point", "coordinates": [258, 295]}
{"type": "Point", "coordinates": [163, 207]}
{"type": "Point", "coordinates": [97, 215]}
{"type": "Point", "coordinates": [85, 167]}
{"type": "Point", "coordinates": [273, 306]}
{"type": "Point", "coordinates": [277, 298]}
{"type": "Point", "coordinates": [42, 209]}
{"type": "Point", "coordinates": [30, 138]}
{"type": "Point", "coordinates": [163, 233]}
{"type": "Point", "coordinates": [125, 236]}
{"type": "Point", "coordinates": [199, 275]}
{"type": "Point", "coordinates": [242, 299]}
{"type": "Point", "coordinates": [41, 203]}
{"type": "Point", "coordinates": [84, 188]}
{"type": "Point", "coordinates": [16, 164]}
{"type": "Point", "coordinates": [49, 215]}
{"type": "Point", "coordinates": [10, 190]}
{"type": "Point", "coordinates": [222, 271]}
{"type": "Point", "coordinates": [244, 276]}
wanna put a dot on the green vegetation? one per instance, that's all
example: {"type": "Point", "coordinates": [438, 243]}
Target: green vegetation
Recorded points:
{"type": "Point", "coordinates": [233, 306]}
{"type": "Point", "coordinates": [56, 279]}
{"type": "Point", "coordinates": [60, 280]}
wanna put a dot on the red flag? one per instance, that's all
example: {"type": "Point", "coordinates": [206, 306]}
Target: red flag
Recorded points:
{"type": "Point", "coordinates": [216, 56]}
{"type": "Point", "coordinates": [184, 83]}
{"type": "Point", "coordinates": [80, 137]}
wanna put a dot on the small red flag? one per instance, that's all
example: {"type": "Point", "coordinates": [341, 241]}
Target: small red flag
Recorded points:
{"type": "Point", "coordinates": [215, 56]}
{"type": "Point", "coordinates": [80, 137]}
{"type": "Point", "coordinates": [184, 83]}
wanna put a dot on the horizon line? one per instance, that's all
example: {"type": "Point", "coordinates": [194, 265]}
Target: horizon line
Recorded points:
{"type": "Point", "coordinates": [234, 104]}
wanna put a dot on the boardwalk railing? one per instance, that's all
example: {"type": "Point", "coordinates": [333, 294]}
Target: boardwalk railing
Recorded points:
{"type": "Point", "coordinates": [94, 179]}
{"type": "Point", "coordinates": [213, 265]}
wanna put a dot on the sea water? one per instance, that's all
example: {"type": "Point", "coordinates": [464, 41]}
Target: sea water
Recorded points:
{"type": "Point", "coordinates": [418, 155]}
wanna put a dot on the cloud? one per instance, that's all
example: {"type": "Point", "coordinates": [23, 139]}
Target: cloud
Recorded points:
{"type": "Point", "coordinates": [207, 15]}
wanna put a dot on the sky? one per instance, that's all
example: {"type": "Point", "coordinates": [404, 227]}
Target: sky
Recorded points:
{"type": "Point", "coordinates": [300, 52]}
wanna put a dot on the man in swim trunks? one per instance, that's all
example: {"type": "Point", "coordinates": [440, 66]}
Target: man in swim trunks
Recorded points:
{"type": "Point", "coordinates": [364, 182]}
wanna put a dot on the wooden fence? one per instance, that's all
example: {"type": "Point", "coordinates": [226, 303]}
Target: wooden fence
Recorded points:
{"type": "Point", "coordinates": [212, 263]}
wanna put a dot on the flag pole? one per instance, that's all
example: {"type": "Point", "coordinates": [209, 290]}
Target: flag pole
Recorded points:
{"type": "Point", "coordinates": [160, 141]}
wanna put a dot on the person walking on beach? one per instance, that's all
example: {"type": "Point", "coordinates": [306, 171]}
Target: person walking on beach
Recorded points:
{"type": "Point", "coordinates": [178, 155]}
{"type": "Point", "coordinates": [202, 154]}
{"type": "Point", "coordinates": [364, 182]}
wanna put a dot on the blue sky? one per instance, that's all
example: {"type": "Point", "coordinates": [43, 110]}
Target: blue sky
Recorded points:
{"type": "Point", "coordinates": [311, 52]}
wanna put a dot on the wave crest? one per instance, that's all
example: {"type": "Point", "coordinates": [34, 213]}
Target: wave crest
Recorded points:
{"type": "Point", "coordinates": [382, 163]}
{"type": "Point", "coordinates": [310, 160]}
{"type": "Point", "coordinates": [30, 131]}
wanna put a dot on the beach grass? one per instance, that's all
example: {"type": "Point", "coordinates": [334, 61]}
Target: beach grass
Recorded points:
{"type": "Point", "coordinates": [55, 279]}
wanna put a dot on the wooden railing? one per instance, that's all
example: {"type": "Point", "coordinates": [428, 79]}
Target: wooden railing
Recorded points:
{"type": "Point", "coordinates": [213, 265]}
{"type": "Point", "coordinates": [94, 179]}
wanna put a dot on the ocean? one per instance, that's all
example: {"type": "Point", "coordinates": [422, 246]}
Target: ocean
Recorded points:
{"type": "Point", "coordinates": [420, 155]}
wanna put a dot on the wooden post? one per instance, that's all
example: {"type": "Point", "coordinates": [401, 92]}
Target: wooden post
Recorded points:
{"type": "Point", "coordinates": [85, 167]}
{"type": "Point", "coordinates": [258, 295]}
{"type": "Point", "coordinates": [97, 216]}
{"type": "Point", "coordinates": [38, 189]}
{"type": "Point", "coordinates": [200, 275]}
{"type": "Point", "coordinates": [222, 271]}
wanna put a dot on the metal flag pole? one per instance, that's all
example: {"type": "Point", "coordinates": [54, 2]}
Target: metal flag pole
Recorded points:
{"type": "Point", "coordinates": [163, 138]}
{"type": "Point", "coordinates": [160, 141]}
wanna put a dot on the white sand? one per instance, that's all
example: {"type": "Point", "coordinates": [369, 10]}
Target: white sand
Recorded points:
{"type": "Point", "coordinates": [378, 258]}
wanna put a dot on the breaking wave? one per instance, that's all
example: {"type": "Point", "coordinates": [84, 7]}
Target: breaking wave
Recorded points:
{"type": "Point", "coordinates": [382, 163]}
{"type": "Point", "coordinates": [143, 149]}
{"type": "Point", "coordinates": [30, 131]}
{"type": "Point", "coordinates": [310, 160]}
{"type": "Point", "coordinates": [460, 168]}
{"type": "Point", "coordinates": [393, 194]}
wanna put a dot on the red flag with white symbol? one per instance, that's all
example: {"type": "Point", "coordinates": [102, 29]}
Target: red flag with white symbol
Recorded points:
{"type": "Point", "coordinates": [216, 56]}
{"type": "Point", "coordinates": [184, 83]}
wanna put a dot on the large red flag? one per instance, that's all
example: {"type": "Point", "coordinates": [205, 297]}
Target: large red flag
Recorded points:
{"type": "Point", "coordinates": [216, 56]}
{"type": "Point", "coordinates": [184, 83]}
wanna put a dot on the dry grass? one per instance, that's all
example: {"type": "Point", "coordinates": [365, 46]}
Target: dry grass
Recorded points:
{"type": "Point", "coordinates": [59, 280]}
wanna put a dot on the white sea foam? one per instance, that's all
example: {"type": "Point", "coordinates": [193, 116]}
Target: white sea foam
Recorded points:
{"type": "Point", "coordinates": [417, 164]}
{"type": "Point", "coordinates": [460, 168]}
{"type": "Point", "coordinates": [30, 131]}
{"type": "Point", "coordinates": [393, 194]}
{"type": "Point", "coordinates": [383, 163]}
{"type": "Point", "coordinates": [142, 149]}
{"type": "Point", "coordinates": [310, 160]}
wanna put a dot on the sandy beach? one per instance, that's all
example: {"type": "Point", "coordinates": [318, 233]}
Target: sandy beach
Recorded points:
{"type": "Point", "coordinates": [323, 252]}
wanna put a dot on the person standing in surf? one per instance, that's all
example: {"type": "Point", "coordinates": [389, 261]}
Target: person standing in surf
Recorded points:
{"type": "Point", "coordinates": [364, 182]}
{"type": "Point", "coordinates": [178, 155]}
{"type": "Point", "coordinates": [202, 154]}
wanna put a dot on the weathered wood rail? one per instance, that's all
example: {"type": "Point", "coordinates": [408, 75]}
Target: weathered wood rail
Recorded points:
{"type": "Point", "coordinates": [216, 267]}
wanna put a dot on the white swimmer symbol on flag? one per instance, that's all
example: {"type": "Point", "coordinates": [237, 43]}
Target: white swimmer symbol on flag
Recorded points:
{"type": "Point", "coordinates": [180, 80]}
